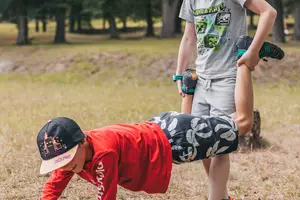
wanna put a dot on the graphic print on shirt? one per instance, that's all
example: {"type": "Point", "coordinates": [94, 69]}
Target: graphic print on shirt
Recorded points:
{"type": "Point", "coordinates": [211, 27]}
{"type": "Point", "coordinates": [99, 177]}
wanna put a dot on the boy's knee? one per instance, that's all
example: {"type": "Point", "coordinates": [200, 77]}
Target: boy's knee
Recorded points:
{"type": "Point", "coordinates": [221, 158]}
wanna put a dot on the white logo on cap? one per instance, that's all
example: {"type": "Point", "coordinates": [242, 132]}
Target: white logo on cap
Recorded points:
{"type": "Point", "coordinates": [63, 158]}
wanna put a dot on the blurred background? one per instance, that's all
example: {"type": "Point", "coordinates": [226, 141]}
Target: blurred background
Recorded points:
{"type": "Point", "coordinates": [146, 18]}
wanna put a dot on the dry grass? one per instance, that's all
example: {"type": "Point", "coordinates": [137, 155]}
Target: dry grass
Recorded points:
{"type": "Point", "coordinates": [105, 84]}
{"type": "Point", "coordinates": [26, 106]}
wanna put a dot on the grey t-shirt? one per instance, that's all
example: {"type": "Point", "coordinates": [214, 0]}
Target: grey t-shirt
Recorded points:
{"type": "Point", "coordinates": [218, 23]}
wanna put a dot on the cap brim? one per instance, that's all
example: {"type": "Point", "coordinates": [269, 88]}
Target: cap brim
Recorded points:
{"type": "Point", "coordinates": [58, 161]}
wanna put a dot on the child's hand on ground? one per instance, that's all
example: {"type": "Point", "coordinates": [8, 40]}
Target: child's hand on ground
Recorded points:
{"type": "Point", "coordinates": [249, 58]}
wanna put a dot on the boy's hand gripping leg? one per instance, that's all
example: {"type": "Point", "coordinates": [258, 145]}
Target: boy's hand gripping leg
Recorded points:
{"type": "Point", "coordinates": [189, 81]}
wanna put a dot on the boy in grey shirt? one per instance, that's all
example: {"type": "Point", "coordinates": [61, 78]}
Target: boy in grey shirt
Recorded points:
{"type": "Point", "coordinates": [214, 26]}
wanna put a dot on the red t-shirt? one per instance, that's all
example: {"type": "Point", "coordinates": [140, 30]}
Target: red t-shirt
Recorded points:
{"type": "Point", "coordinates": [138, 157]}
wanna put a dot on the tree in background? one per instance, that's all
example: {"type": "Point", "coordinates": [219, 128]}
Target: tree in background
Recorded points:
{"type": "Point", "coordinates": [278, 28]}
{"type": "Point", "coordinates": [19, 9]}
{"type": "Point", "coordinates": [22, 22]}
{"type": "Point", "coordinates": [80, 11]}
{"type": "Point", "coordinates": [169, 8]}
{"type": "Point", "coordinates": [125, 10]}
{"type": "Point", "coordinates": [149, 19]}
{"type": "Point", "coordinates": [57, 8]}
{"type": "Point", "coordinates": [110, 12]}
{"type": "Point", "coordinates": [60, 16]}
{"type": "Point", "coordinates": [297, 20]}
{"type": "Point", "coordinates": [146, 10]}
{"type": "Point", "coordinates": [75, 16]}
{"type": "Point", "coordinates": [251, 21]}
{"type": "Point", "coordinates": [178, 21]}
{"type": "Point", "coordinates": [4, 5]}
{"type": "Point", "coordinates": [25, 9]}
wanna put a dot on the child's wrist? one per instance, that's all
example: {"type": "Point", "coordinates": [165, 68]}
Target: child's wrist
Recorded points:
{"type": "Point", "coordinates": [177, 77]}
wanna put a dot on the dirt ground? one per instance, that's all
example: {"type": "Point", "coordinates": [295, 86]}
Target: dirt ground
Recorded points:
{"type": "Point", "coordinates": [154, 66]}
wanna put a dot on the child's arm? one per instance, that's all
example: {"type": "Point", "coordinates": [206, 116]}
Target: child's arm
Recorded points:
{"type": "Point", "coordinates": [189, 81]}
{"type": "Point", "coordinates": [186, 51]}
{"type": "Point", "coordinates": [56, 184]}
{"type": "Point", "coordinates": [107, 176]}
{"type": "Point", "coordinates": [267, 15]}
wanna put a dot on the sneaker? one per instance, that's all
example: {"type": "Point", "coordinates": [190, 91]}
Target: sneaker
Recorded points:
{"type": "Point", "coordinates": [229, 198]}
{"type": "Point", "coordinates": [268, 50]}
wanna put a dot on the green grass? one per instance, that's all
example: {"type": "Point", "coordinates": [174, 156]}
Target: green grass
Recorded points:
{"type": "Point", "coordinates": [26, 104]}
{"type": "Point", "coordinates": [278, 103]}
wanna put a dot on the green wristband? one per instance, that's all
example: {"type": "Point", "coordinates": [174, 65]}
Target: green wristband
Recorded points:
{"type": "Point", "coordinates": [177, 77]}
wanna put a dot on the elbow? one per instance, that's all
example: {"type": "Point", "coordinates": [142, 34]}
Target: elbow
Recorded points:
{"type": "Point", "coordinates": [272, 13]}
{"type": "Point", "coordinates": [269, 13]}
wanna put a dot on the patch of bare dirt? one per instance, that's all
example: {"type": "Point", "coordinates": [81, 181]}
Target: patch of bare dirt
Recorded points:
{"type": "Point", "coordinates": [287, 69]}
{"type": "Point", "coordinates": [151, 66]}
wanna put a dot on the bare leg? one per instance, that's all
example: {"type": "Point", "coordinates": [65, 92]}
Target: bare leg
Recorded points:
{"type": "Point", "coordinates": [218, 171]}
{"type": "Point", "coordinates": [206, 164]}
{"type": "Point", "coordinates": [218, 176]}
{"type": "Point", "coordinates": [186, 104]}
{"type": "Point", "coordinates": [218, 167]}
{"type": "Point", "coordinates": [243, 100]}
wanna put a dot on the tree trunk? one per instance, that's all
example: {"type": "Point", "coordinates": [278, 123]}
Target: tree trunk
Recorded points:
{"type": "Point", "coordinates": [79, 28]}
{"type": "Point", "coordinates": [169, 16]}
{"type": "Point", "coordinates": [124, 21]}
{"type": "Point", "coordinates": [72, 19]}
{"type": "Point", "coordinates": [297, 20]}
{"type": "Point", "coordinates": [22, 21]}
{"type": "Point", "coordinates": [79, 17]}
{"type": "Point", "coordinates": [278, 28]}
{"type": "Point", "coordinates": [251, 25]}
{"type": "Point", "coordinates": [252, 139]}
{"type": "Point", "coordinates": [72, 24]}
{"type": "Point", "coordinates": [113, 31]}
{"type": "Point", "coordinates": [44, 22]}
{"type": "Point", "coordinates": [150, 28]}
{"type": "Point", "coordinates": [37, 27]}
{"type": "Point", "coordinates": [60, 25]}
{"type": "Point", "coordinates": [178, 27]}
{"type": "Point", "coordinates": [104, 23]}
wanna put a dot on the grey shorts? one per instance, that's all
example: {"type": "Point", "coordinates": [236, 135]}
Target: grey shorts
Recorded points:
{"type": "Point", "coordinates": [214, 97]}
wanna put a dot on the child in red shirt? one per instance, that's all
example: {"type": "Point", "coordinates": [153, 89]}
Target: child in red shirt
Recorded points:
{"type": "Point", "coordinates": [139, 157]}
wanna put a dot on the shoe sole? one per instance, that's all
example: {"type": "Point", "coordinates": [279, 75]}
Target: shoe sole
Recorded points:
{"type": "Point", "coordinates": [247, 40]}
{"type": "Point", "coordinates": [278, 53]}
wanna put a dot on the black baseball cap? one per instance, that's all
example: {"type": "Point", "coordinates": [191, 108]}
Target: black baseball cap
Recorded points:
{"type": "Point", "coordinates": [57, 142]}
